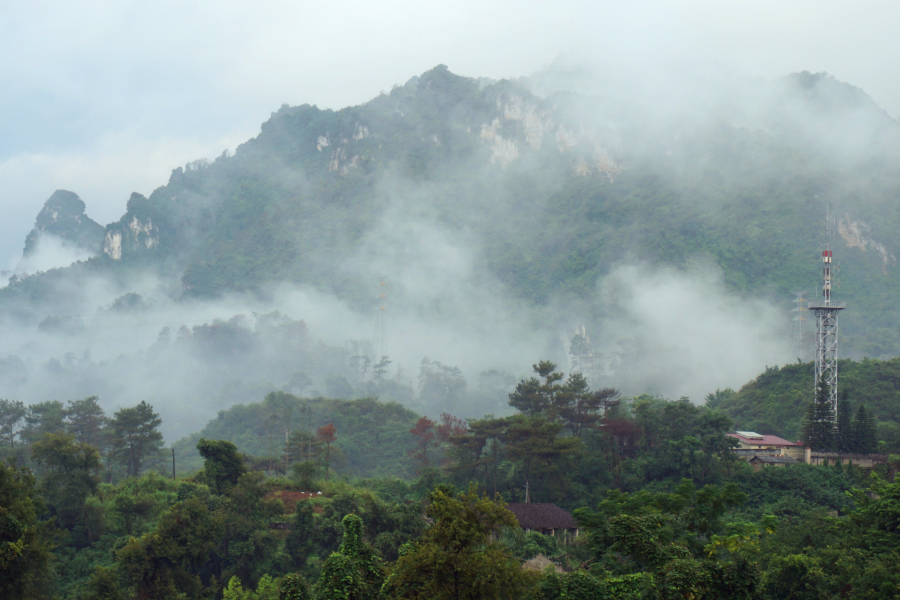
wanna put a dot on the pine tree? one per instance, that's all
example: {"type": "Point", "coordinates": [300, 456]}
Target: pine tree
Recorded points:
{"type": "Point", "coordinates": [534, 397]}
{"type": "Point", "coordinates": [844, 424]}
{"type": "Point", "coordinates": [818, 426]}
{"type": "Point", "coordinates": [136, 435]}
{"type": "Point", "coordinates": [863, 432]}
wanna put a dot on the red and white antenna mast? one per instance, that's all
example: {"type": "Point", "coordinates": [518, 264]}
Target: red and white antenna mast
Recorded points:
{"type": "Point", "coordinates": [826, 312]}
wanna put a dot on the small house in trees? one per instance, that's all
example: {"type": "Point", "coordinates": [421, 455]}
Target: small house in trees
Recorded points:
{"type": "Point", "coordinates": [545, 518]}
{"type": "Point", "coordinates": [752, 444]}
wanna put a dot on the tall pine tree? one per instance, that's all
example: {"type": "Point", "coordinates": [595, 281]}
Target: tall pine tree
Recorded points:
{"type": "Point", "coordinates": [818, 426]}
{"type": "Point", "coordinates": [864, 433]}
{"type": "Point", "coordinates": [844, 424]}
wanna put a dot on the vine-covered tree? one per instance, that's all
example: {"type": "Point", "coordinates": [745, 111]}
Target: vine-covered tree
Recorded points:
{"type": "Point", "coordinates": [354, 572]}
{"type": "Point", "coordinates": [293, 587]}
{"type": "Point", "coordinates": [456, 558]}
{"type": "Point", "coordinates": [223, 465]}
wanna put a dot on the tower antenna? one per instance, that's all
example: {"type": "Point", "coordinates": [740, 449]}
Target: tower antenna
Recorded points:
{"type": "Point", "coordinates": [826, 311]}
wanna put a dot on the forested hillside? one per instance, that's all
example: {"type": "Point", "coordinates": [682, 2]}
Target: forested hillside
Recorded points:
{"type": "Point", "coordinates": [366, 499]}
{"type": "Point", "coordinates": [551, 192]}
{"type": "Point", "coordinates": [372, 438]}
{"type": "Point", "coordinates": [776, 401]}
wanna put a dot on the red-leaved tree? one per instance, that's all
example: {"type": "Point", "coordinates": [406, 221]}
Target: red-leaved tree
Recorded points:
{"type": "Point", "coordinates": [450, 426]}
{"type": "Point", "coordinates": [424, 432]}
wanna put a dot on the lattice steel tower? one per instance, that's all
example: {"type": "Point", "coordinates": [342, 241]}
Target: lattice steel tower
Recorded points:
{"type": "Point", "coordinates": [826, 311]}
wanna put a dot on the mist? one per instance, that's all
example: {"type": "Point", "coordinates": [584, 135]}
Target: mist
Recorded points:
{"type": "Point", "coordinates": [655, 330]}
{"type": "Point", "coordinates": [683, 333]}
{"type": "Point", "coordinates": [463, 321]}
{"type": "Point", "coordinates": [50, 252]}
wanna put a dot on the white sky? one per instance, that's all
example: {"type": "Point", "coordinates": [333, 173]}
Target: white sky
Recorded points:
{"type": "Point", "coordinates": [106, 97]}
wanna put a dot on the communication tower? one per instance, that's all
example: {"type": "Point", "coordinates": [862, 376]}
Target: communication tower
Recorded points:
{"type": "Point", "coordinates": [379, 340]}
{"type": "Point", "coordinates": [826, 311]}
{"type": "Point", "coordinates": [798, 341]}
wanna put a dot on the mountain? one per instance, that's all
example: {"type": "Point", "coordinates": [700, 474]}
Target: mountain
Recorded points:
{"type": "Point", "coordinates": [555, 190]}
{"type": "Point", "coordinates": [504, 215]}
{"type": "Point", "coordinates": [63, 217]}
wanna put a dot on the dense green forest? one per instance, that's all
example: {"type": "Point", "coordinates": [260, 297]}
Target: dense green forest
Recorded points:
{"type": "Point", "coordinates": [398, 505]}
{"type": "Point", "coordinates": [372, 436]}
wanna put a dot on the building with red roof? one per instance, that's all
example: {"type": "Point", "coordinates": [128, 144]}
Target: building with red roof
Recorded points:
{"type": "Point", "coordinates": [772, 451]}
{"type": "Point", "coordinates": [750, 440]}
{"type": "Point", "coordinates": [752, 444]}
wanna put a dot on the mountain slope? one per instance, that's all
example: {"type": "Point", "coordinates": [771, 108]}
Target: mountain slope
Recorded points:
{"type": "Point", "coordinates": [776, 401]}
{"type": "Point", "coordinates": [547, 194]}
{"type": "Point", "coordinates": [63, 217]}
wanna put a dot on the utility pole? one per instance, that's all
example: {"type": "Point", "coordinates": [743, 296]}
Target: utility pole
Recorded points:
{"type": "Point", "coordinates": [173, 463]}
{"type": "Point", "coordinates": [826, 312]}
{"type": "Point", "coordinates": [287, 450]}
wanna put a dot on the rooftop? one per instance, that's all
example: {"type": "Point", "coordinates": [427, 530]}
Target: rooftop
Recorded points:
{"type": "Point", "coordinates": [542, 516]}
{"type": "Point", "coordinates": [751, 437]}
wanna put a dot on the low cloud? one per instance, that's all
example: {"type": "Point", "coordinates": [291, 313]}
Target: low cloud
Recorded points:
{"type": "Point", "coordinates": [50, 252]}
{"type": "Point", "coordinates": [682, 333]}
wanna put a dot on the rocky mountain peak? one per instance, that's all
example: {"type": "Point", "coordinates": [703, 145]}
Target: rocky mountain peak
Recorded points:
{"type": "Point", "coordinates": [63, 216]}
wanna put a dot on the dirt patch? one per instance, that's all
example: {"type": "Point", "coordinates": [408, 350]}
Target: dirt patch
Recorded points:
{"type": "Point", "coordinates": [290, 499]}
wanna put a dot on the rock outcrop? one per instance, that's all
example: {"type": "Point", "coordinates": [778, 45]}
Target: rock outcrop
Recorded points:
{"type": "Point", "coordinates": [63, 217]}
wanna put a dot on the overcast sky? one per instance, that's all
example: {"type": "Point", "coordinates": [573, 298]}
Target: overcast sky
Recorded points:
{"type": "Point", "coordinates": [106, 97]}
